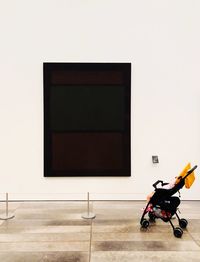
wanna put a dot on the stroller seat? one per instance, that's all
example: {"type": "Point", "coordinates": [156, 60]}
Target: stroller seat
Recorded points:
{"type": "Point", "coordinates": [163, 204]}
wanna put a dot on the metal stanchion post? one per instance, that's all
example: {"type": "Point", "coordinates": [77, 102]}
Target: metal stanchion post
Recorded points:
{"type": "Point", "coordinates": [6, 216]}
{"type": "Point", "coordinates": [88, 214]}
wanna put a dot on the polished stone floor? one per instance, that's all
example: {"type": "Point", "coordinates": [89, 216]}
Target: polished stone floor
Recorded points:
{"type": "Point", "coordinates": [55, 232]}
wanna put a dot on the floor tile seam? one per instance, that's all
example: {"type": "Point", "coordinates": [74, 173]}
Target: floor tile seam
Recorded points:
{"type": "Point", "coordinates": [38, 241]}
{"type": "Point", "coordinates": [91, 227]}
{"type": "Point", "coordinates": [145, 251]}
{"type": "Point", "coordinates": [142, 240]}
{"type": "Point", "coordinates": [196, 241]}
{"type": "Point", "coordinates": [42, 252]}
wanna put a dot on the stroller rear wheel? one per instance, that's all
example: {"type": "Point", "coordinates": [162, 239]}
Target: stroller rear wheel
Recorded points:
{"type": "Point", "coordinates": [144, 223]}
{"type": "Point", "coordinates": [183, 223]}
{"type": "Point", "coordinates": [178, 232]}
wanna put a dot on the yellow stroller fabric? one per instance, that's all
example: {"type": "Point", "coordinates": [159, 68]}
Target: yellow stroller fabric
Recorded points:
{"type": "Point", "coordinates": [189, 179]}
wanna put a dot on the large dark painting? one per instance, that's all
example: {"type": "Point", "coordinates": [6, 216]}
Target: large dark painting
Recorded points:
{"type": "Point", "coordinates": [87, 119]}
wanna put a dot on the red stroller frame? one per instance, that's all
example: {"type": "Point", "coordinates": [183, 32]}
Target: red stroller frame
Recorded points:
{"type": "Point", "coordinates": [167, 204]}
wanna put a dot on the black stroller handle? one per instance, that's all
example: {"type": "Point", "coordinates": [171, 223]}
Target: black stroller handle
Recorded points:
{"type": "Point", "coordinates": [190, 171]}
{"type": "Point", "coordinates": [157, 182]}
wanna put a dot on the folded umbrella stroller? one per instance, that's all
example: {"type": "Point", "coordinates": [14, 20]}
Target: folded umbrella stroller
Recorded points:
{"type": "Point", "coordinates": [162, 204]}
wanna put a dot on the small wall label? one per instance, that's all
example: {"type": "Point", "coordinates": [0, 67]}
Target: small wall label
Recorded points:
{"type": "Point", "coordinates": [155, 159]}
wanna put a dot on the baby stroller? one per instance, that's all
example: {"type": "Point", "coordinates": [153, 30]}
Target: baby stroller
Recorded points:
{"type": "Point", "coordinates": [164, 205]}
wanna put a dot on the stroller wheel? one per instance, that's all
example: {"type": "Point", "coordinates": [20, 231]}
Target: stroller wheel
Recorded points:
{"type": "Point", "coordinates": [144, 223]}
{"type": "Point", "coordinates": [178, 232]}
{"type": "Point", "coordinates": [183, 223]}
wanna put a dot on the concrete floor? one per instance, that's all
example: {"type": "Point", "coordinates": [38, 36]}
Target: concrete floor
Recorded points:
{"type": "Point", "coordinates": [55, 232]}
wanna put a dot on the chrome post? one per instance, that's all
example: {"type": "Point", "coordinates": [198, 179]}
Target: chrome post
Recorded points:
{"type": "Point", "coordinates": [88, 214]}
{"type": "Point", "coordinates": [6, 216]}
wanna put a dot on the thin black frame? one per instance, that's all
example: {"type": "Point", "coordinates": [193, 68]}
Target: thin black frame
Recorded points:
{"type": "Point", "coordinates": [48, 68]}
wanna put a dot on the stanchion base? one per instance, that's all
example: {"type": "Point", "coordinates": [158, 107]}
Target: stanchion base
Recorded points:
{"type": "Point", "coordinates": [4, 217]}
{"type": "Point", "coordinates": [88, 215]}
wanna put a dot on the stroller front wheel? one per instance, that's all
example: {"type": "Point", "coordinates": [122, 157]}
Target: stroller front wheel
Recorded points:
{"type": "Point", "coordinates": [183, 223]}
{"type": "Point", "coordinates": [178, 232]}
{"type": "Point", "coordinates": [144, 223]}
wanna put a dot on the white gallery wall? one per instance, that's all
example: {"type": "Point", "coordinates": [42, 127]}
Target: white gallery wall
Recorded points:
{"type": "Point", "coordinates": [161, 38]}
